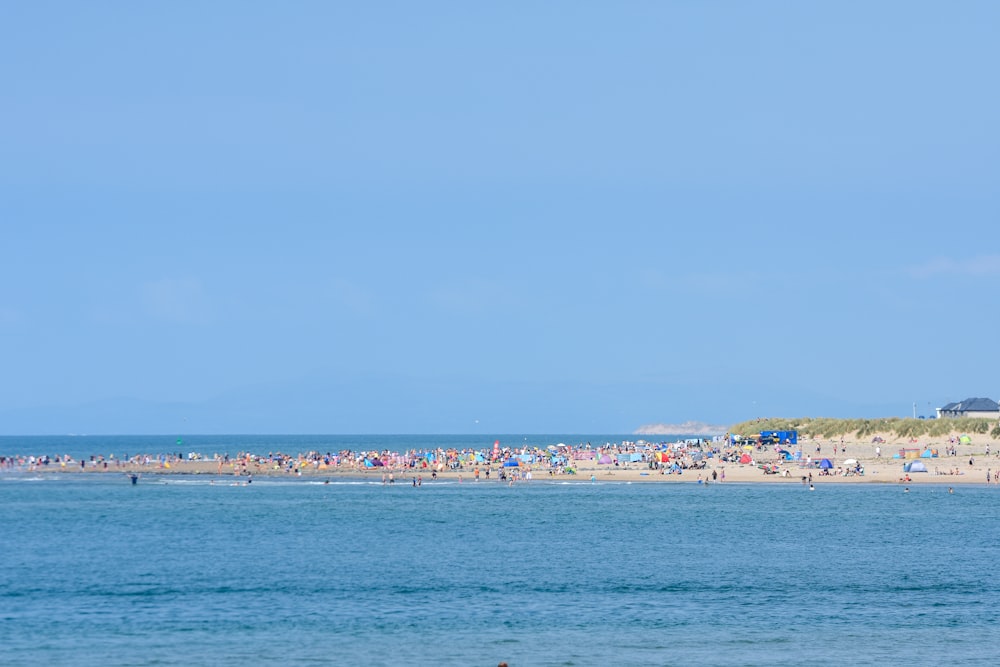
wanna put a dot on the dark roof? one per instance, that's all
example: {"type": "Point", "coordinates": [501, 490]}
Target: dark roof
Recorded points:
{"type": "Point", "coordinates": [973, 405]}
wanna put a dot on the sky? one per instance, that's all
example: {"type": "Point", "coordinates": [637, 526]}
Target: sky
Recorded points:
{"type": "Point", "coordinates": [454, 217]}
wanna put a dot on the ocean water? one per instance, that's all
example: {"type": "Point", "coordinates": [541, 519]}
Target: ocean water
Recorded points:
{"type": "Point", "coordinates": [179, 570]}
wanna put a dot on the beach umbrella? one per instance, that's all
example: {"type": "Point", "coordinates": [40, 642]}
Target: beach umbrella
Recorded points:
{"type": "Point", "coordinates": [851, 462]}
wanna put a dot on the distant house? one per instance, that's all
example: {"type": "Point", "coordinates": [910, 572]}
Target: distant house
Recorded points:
{"type": "Point", "coordinates": [971, 407]}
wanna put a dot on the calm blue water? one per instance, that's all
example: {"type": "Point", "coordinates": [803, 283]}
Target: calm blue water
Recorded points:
{"type": "Point", "coordinates": [178, 571]}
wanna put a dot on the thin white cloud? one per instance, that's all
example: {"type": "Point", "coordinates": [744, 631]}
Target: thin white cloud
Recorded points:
{"type": "Point", "coordinates": [982, 265]}
{"type": "Point", "coordinates": [352, 298]}
{"type": "Point", "coordinates": [9, 317]}
{"type": "Point", "coordinates": [180, 301]}
{"type": "Point", "coordinates": [697, 280]}
{"type": "Point", "coordinates": [473, 297]}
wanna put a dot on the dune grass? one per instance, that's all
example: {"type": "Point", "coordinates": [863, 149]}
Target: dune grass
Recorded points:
{"type": "Point", "coordinates": [900, 427]}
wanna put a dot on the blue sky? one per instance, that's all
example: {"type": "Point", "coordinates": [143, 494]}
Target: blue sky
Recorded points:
{"type": "Point", "coordinates": [561, 217]}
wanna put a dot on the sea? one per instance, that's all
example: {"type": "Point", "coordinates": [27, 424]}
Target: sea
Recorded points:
{"type": "Point", "coordinates": [192, 570]}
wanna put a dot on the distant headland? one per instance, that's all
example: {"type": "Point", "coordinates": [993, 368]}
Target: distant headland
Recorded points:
{"type": "Point", "coordinates": [687, 428]}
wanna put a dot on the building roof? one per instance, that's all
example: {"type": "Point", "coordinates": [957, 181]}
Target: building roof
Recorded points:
{"type": "Point", "coordinates": [973, 405]}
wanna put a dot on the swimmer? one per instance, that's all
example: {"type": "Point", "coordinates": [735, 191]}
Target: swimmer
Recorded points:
{"type": "Point", "coordinates": [906, 489]}
{"type": "Point", "coordinates": [812, 488]}
{"type": "Point", "coordinates": [951, 490]}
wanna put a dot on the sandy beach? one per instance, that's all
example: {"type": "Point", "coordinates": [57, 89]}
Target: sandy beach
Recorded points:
{"type": "Point", "coordinates": [969, 465]}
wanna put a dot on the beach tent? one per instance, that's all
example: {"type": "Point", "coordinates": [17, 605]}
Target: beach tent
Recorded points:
{"type": "Point", "coordinates": [929, 454]}
{"type": "Point", "coordinates": [825, 464]}
{"type": "Point", "coordinates": [785, 454]}
{"type": "Point", "coordinates": [965, 440]}
{"type": "Point", "coordinates": [915, 466]}
{"type": "Point", "coordinates": [745, 458]}
{"type": "Point", "coordinates": [605, 459]}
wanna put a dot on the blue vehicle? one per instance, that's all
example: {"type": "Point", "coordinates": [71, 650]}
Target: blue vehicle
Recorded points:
{"type": "Point", "coordinates": [779, 437]}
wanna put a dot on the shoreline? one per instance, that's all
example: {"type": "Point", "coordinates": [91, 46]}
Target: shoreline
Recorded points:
{"type": "Point", "coordinates": [969, 465]}
{"type": "Point", "coordinates": [733, 478]}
